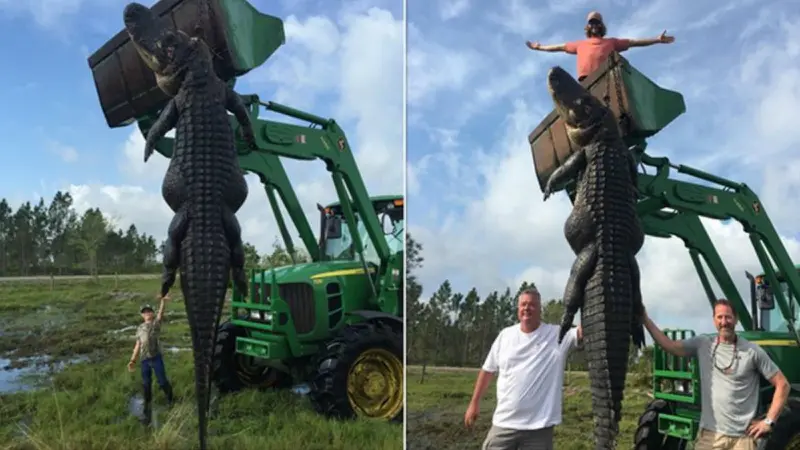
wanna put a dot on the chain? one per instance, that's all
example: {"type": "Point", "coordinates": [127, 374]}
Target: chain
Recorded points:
{"type": "Point", "coordinates": [725, 369]}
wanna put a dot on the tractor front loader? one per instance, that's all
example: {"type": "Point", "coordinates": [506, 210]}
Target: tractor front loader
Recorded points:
{"type": "Point", "coordinates": [335, 322]}
{"type": "Point", "coordinates": [670, 207]}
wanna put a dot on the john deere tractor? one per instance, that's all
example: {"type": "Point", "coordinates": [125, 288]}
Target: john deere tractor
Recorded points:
{"type": "Point", "coordinates": [670, 207]}
{"type": "Point", "coordinates": [336, 321]}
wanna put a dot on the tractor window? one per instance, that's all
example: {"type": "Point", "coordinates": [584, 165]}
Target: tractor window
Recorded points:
{"type": "Point", "coordinates": [342, 248]}
{"type": "Point", "coordinates": [776, 320]}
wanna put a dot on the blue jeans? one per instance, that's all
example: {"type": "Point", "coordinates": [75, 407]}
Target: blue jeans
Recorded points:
{"type": "Point", "coordinates": [150, 365]}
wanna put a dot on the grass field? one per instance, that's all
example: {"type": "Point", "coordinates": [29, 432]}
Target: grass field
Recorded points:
{"type": "Point", "coordinates": [436, 411]}
{"type": "Point", "coordinates": [87, 405]}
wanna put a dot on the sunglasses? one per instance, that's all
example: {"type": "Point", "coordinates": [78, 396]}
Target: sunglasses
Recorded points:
{"type": "Point", "coordinates": [595, 22]}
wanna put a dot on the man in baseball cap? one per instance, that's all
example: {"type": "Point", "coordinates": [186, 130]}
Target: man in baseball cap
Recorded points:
{"type": "Point", "coordinates": [593, 51]}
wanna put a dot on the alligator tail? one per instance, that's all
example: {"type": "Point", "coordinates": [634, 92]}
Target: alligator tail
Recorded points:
{"type": "Point", "coordinates": [205, 251]}
{"type": "Point", "coordinates": [606, 322]}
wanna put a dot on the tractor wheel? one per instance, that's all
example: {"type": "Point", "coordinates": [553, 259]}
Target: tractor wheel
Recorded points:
{"type": "Point", "coordinates": [359, 373]}
{"type": "Point", "coordinates": [232, 372]}
{"type": "Point", "coordinates": [647, 436]}
{"type": "Point", "coordinates": [786, 432]}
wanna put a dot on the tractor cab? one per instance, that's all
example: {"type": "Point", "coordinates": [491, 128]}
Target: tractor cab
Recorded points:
{"type": "Point", "coordinates": [336, 241]}
{"type": "Point", "coordinates": [766, 315]}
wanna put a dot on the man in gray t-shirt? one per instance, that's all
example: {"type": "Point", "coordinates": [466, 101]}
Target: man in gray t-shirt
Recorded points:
{"type": "Point", "coordinates": [730, 370]}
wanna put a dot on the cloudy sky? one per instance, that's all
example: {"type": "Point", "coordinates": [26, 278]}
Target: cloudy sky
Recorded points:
{"type": "Point", "coordinates": [476, 92]}
{"type": "Point", "coordinates": [344, 62]}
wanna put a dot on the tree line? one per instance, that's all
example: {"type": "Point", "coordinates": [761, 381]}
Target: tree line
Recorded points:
{"type": "Point", "coordinates": [456, 329]}
{"type": "Point", "coordinates": [52, 238]}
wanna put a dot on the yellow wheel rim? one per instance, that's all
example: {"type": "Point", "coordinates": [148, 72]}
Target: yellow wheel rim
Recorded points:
{"type": "Point", "coordinates": [375, 384]}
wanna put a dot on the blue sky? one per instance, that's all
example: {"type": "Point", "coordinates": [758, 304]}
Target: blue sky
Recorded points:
{"type": "Point", "coordinates": [339, 61]}
{"type": "Point", "coordinates": [476, 92]}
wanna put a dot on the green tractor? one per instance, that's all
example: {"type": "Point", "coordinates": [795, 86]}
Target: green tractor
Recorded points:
{"type": "Point", "coordinates": [670, 207]}
{"type": "Point", "coordinates": [334, 322]}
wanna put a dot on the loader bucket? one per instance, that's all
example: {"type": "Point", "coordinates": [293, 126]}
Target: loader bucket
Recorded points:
{"type": "Point", "coordinates": [241, 38]}
{"type": "Point", "coordinates": [649, 108]}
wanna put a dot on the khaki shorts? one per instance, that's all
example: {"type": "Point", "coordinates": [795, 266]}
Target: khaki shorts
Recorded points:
{"type": "Point", "coordinates": [709, 440]}
{"type": "Point", "coordinates": [506, 439]}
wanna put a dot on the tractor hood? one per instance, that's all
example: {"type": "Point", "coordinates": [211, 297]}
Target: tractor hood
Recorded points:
{"type": "Point", "coordinates": [314, 272]}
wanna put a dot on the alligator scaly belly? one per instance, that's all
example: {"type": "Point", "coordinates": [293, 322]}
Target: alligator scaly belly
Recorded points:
{"type": "Point", "coordinates": [604, 232]}
{"type": "Point", "coordinates": [204, 184]}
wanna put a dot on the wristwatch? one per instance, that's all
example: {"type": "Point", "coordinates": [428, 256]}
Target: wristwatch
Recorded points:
{"type": "Point", "coordinates": [768, 421]}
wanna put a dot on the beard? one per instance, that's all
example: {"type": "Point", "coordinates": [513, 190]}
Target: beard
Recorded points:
{"type": "Point", "coordinates": [595, 31]}
{"type": "Point", "coordinates": [726, 331]}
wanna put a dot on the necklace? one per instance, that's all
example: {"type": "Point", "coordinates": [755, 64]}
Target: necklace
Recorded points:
{"type": "Point", "coordinates": [727, 369]}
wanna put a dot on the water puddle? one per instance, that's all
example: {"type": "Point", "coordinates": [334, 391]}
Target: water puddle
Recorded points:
{"type": "Point", "coordinates": [14, 379]}
{"type": "Point", "coordinates": [301, 389]}
{"type": "Point", "coordinates": [136, 408]}
{"type": "Point", "coordinates": [25, 374]}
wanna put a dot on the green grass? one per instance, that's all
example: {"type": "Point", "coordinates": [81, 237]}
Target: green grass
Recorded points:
{"type": "Point", "coordinates": [85, 406]}
{"type": "Point", "coordinates": [436, 411]}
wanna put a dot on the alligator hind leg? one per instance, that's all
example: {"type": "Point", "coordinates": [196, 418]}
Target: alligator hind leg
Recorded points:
{"type": "Point", "coordinates": [172, 254]}
{"type": "Point", "coordinates": [637, 328]}
{"type": "Point", "coordinates": [582, 270]}
{"type": "Point", "coordinates": [233, 233]}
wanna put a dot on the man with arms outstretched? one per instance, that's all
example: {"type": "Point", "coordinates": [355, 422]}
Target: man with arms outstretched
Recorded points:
{"type": "Point", "coordinates": [729, 382]}
{"type": "Point", "coordinates": [593, 51]}
{"type": "Point", "coordinates": [531, 380]}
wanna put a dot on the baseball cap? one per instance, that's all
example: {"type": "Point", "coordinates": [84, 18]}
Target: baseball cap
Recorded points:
{"type": "Point", "coordinates": [146, 308]}
{"type": "Point", "coordinates": [595, 15]}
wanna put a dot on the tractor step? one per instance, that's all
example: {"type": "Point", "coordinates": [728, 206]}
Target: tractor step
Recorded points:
{"type": "Point", "coordinates": [677, 426]}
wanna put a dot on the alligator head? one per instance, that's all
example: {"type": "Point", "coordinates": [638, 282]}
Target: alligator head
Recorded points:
{"type": "Point", "coordinates": [584, 115]}
{"type": "Point", "coordinates": [167, 51]}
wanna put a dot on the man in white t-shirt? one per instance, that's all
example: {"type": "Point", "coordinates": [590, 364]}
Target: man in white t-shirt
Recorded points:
{"type": "Point", "coordinates": [529, 388]}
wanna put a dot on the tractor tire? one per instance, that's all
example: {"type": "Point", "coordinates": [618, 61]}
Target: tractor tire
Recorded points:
{"type": "Point", "coordinates": [785, 434]}
{"type": "Point", "coordinates": [375, 350]}
{"type": "Point", "coordinates": [228, 370]}
{"type": "Point", "coordinates": [647, 436]}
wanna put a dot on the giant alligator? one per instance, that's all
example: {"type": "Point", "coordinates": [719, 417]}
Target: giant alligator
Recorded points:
{"type": "Point", "coordinates": [204, 184]}
{"type": "Point", "coordinates": [605, 233]}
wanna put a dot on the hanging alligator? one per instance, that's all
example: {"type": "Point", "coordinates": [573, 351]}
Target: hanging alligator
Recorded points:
{"type": "Point", "coordinates": [204, 184]}
{"type": "Point", "coordinates": [603, 230]}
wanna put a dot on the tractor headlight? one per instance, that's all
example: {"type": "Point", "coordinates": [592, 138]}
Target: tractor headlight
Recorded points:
{"type": "Point", "coordinates": [261, 315]}
{"type": "Point", "coordinates": [241, 313]}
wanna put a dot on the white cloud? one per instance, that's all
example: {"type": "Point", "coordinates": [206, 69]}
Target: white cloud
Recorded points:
{"type": "Point", "coordinates": [67, 153]}
{"type": "Point", "coordinates": [436, 68]}
{"type": "Point", "coordinates": [349, 68]}
{"type": "Point", "coordinates": [507, 235]}
{"type": "Point", "coordinates": [450, 9]}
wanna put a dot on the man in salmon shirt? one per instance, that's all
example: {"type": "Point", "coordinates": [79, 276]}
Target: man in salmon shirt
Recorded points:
{"type": "Point", "coordinates": [594, 50]}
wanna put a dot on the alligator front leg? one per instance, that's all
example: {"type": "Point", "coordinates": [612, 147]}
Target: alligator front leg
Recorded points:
{"type": "Point", "coordinates": [165, 122]}
{"type": "Point", "coordinates": [575, 163]}
{"type": "Point", "coordinates": [233, 233]}
{"type": "Point", "coordinates": [574, 293]}
{"type": "Point", "coordinates": [172, 249]}
{"type": "Point", "coordinates": [234, 104]}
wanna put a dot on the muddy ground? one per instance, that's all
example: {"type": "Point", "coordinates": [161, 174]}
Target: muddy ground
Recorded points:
{"type": "Point", "coordinates": [64, 383]}
{"type": "Point", "coordinates": [436, 410]}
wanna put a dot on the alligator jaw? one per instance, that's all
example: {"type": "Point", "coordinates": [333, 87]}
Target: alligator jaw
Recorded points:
{"type": "Point", "coordinates": [583, 114]}
{"type": "Point", "coordinates": [163, 48]}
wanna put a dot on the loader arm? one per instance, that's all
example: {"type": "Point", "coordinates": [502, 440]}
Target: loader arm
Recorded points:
{"type": "Point", "coordinates": [324, 140]}
{"type": "Point", "coordinates": [722, 200]}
